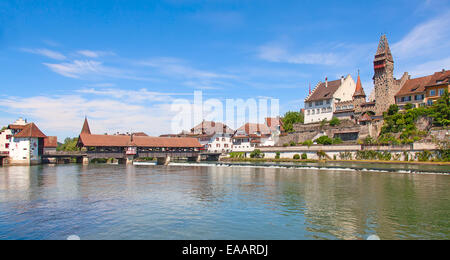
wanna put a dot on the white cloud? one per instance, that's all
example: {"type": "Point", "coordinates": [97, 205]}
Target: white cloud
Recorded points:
{"type": "Point", "coordinates": [63, 115]}
{"type": "Point", "coordinates": [427, 38]}
{"type": "Point", "coordinates": [89, 69]}
{"type": "Point", "coordinates": [430, 67]}
{"type": "Point", "coordinates": [46, 52]}
{"type": "Point", "coordinates": [78, 68]}
{"type": "Point", "coordinates": [94, 54]}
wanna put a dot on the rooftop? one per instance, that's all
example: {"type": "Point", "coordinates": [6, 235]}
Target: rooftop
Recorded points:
{"type": "Point", "coordinates": [324, 91]}
{"type": "Point", "coordinates": [30, 131]}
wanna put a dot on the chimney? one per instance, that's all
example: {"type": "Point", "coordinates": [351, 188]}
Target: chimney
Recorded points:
{"type": "Point", "coordinates": [342, 80]}
{"type": "Point", "coordinates": [326, 82]}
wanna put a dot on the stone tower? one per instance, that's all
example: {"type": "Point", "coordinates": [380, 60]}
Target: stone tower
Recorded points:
{"type": "Point", "coordinates": [385, 85]}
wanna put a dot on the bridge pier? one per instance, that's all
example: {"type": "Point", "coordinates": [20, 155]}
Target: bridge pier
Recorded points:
{"type": "Point", "coordinates": [163, 161]}
{"type": "Point", "coordinates": [86, 160]}
{"type": "Point", "coordinates": [130, 159]}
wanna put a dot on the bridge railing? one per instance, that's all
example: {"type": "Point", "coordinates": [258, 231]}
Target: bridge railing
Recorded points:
{"type": "Point", "coordinates": [64, 153]}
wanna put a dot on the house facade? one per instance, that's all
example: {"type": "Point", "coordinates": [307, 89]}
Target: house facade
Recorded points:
{"type": "Point", "coordinates": [320, 103]}
{"type": "Point", "coordinates": [27, 146]}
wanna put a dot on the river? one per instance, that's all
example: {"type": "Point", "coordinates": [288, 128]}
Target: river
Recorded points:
{"type": "Point", "coordinates": [185, 201]}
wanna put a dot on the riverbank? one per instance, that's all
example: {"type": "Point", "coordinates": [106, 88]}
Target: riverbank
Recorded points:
{"type": "Point", "coordinates": [284, 160]}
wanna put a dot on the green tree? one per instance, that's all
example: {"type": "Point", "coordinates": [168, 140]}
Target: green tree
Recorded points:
{"type": "Point", "coordinates": [304, 156]}
{"type": "Point", "coordinates": [291, 118]}
{"type": "Point", "coordinates": [4, 128]}
{"type": "Point", "coordinates": [440, 110]}
{"type": "Point", "coordinates": [70, 144]}
{"type": "Point", "coordinates": [335, 121]}
{"type": "Point", "coordinates": [296, 157]}
{"type": "Point", "coordinates": [256, 154]}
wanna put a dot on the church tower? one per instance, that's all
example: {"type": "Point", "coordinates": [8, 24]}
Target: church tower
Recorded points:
{"type": "Point", "coordinates": [383, 79]}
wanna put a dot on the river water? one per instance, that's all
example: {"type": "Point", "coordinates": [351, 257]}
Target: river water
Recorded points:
{"type": "Point", "coordinates": [220, 202]}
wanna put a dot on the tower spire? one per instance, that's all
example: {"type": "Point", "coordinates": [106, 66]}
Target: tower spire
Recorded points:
{"type": "Point", "coordinates": [359, 92]}
{"type": "Point", "coordinates": [86, 129]}
{"type": "Point", "coordinates": [384, 51]}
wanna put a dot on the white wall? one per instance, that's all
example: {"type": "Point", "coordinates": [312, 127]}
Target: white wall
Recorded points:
{"type": "Point", "coordinates": [220, 144]}
{"type": "Point", "coordinates": [24, 150]}
{"type": "Point", "coordinates": [4, 141]}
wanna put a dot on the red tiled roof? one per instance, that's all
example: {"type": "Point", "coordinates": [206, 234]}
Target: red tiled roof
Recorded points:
{"type": "Point", "coordinates": [359, 92]}
{"type": "Point", "coordinates": [140, 134]}
{"type": "Point", "coordinates": [51, 142]}
{"type": "Point", "coordinates": [323, 92]}
{"type": "Point", "coordinates": [274, 122]}
{"type": "Point", "coordinates": [16, 127]}
{"type": "Point", "coordinates": [251, 128]}
{"type": "Point", "coordinates": [30, 131]}
{"type": "Point", "coordinates": [211, 128]}
{"type": "Point", "coordinates": [414, 86]}
{"type": "Point", "coordinates": [418, 85]}
{"type": "Point", "coordinates": [139, 141]}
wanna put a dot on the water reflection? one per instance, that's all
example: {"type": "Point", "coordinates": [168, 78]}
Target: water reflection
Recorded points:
{"type": "Point", "coordinates": [153, 202]}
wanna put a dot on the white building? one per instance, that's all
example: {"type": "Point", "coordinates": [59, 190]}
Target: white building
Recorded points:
{"type": "Point", "coordinates": [320, 104]}
{"type": "Point", "coordinates": [7, 134]}
{"type": "Point", "coordinates": [220, 143]}
{"type": "Point", "coordinates": [26, 147]}
{"type": "Point", "coordinates": [250, 136]}
{"type": "Point", "coordinates": [214, 136]}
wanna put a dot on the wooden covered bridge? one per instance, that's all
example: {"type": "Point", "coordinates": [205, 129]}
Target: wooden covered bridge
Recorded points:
{"type": "Point", "coordinates": [127, 148]}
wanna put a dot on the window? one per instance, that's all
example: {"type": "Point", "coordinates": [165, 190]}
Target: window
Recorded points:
{"type": "Point", "coordinates": [7, 145]}
{"type": "Point", "coordinates": [217, 139]}
{"type": "Point", "coordinates": [433, 92]}
{"type": "Point", "coordinates": [430, 102]}
{"type": "Point", "coordinates": [223, 139]}
{"type": "Point", "coordinates": [441, 92]}
{"type": "Point", "coordinates": [8, 137]}
{"type": "Point", "coordinates": [419, 97]}
{"type": "Point", "coordinates": [310, 104]}
{"type": "Point", "coordinates": [328, 102]}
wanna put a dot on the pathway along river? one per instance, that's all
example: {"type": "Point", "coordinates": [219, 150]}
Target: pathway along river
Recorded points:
{"type": "Point", "coordinates": [185, 201]}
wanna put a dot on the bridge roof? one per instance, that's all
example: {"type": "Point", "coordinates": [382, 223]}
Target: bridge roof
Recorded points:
{"type": "Point", "coordinates": [140, 141]}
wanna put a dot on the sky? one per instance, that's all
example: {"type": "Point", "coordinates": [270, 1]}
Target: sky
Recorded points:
{"type": "Point", "coordinates": [122, 63]}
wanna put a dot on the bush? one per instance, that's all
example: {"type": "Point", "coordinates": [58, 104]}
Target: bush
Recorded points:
{"type": "Point", "coordinates": [257, 154]}
{"type": "Point", "coordinates": [321, 155]}
{"type": "Point", "coordinates": [335, 121]}
{"type": "Point", "coordinates": [304, 156]}
{"type": "Point", "coordinates": [238, 155]}
{"type": "Point", "coordinates": [308, 143]}
{"type": "Point", "coordinates": [277, 156]}
{"type": "Point", "coordinates": [424, 156]}
{"type": "Point", "coordinates": [293, 143]}
{"type": "Point", "coordinates": [369, 140]}
{"type": "Point", "coordinates": [337, 140]}
{"type": "Point", "coordinates": [296, 157]}
{"type": "Point", "coordinates": [285, 145]}
{"type": "Point", "coordinates": [346, 156]}
{"type": "Point", "coordinates": [324, 140]}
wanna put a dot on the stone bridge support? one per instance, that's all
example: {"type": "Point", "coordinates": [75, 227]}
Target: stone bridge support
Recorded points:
{"type": "Point", "coordinates": [163, 161]}
{"type": "Point", "coordinates": [130, 159]}
{"type": "Point", "coordinates": [86, 160]}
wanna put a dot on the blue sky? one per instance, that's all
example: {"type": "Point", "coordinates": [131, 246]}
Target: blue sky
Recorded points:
{"type": "Point", "coordinates": [123, 62]}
